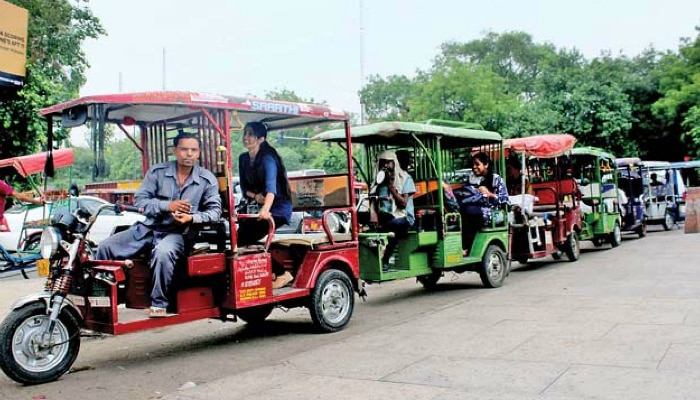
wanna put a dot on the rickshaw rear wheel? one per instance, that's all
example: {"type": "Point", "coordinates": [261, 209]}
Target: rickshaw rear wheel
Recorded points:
{"type": "Point", "coordinates": [255, 315]}
{"type": "Point", "coordinates": [332, 301]}
{"type": "Point", "coordinates": [669, 220]}
{"type": "Point", "coordinates": [23, 357]}
{"type": "Point", "coordinates": [430, 281]}
{"type": "Point", "coordinates": [642, 230]}
{"type": "Point", "coordinates": [494, 267]}
{"type": "Point", "coordinates": [572, 247]}
{"type": "Point", "coordinates": [616, 235]}
{"type": "Point", "coordinates": [557, 255]}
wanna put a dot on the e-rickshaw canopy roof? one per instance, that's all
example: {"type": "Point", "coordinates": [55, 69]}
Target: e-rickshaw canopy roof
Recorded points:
{"type": "Point", "coordinates": [685, 164]}
{"type": "Point", "coordinates": [401, 133]}
{"type": "Point", "coordinates": [592, 151]}
{"type": "Point", "coordinates": [34, 163]}
{"type": "Point", "coordinates": [150, 107]}
{"type": "Point", "coordinates": [628, 161]}
{"type": "Point", "coordinates": [543, 146]}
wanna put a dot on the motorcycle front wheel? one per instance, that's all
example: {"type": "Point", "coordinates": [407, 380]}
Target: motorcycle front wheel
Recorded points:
{"type": "Point", "coordinates": [27, 354]}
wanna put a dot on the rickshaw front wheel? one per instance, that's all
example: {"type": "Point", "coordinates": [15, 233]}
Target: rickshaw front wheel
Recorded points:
{"type": "Point", "coordinates": [332, 301]}
{"type": "Point", "coordinates": [430, 281]}
{"type": "Point", "coordinates": [27, 354]}
{"type": "Point", "coordinates": [669, 221]}
{"type": "Point", "coordinates": [494, 267]}
{"type": "Point", "coordinates": [616, 235]}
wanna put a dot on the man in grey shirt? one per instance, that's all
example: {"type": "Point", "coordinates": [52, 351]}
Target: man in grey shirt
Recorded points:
{"type": "Point", "coordinates": [172, 195]}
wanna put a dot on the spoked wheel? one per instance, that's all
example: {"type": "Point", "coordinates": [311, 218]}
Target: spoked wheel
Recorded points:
{"type": "Point", "coordinates": [28, 355]}
{"type": "Point", "coordinates": [616, 235]}
{"type": "Point", "coordinates": [572, 246]}
{"type": "Point", "coordinates": [255, 315]}
{"type": "Point", "coordinates": [430, 281]}
{"type": "Point", "coordinates": [332, 301]}
{"type": "Point", "coordinates": [494, 267]}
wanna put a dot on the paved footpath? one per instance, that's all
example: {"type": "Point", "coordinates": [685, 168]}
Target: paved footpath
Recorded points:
{"type": "Point", "coordinates": [621, 323]}
{"type": "Point", "coordinates": [624, 324]}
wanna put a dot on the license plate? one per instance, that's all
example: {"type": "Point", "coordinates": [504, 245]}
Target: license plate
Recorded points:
{"type": "Point", "coordinates": [42, 267]}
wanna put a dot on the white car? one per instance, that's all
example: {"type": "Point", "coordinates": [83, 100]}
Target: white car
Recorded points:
{"type": "Point", "coordinates": [106, 222]}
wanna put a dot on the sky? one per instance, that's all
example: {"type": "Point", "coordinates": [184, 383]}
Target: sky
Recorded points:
{"type": "Point", "coordinates": [324, 50]}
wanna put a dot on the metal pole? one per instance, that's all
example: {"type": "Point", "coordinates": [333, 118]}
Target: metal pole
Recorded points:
{"type": "Point", "coordinates": [362, 60]}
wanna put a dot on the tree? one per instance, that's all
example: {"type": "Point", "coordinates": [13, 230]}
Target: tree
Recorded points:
{"type": "Point", "coordinates": [55, 70]}
{"type": "Point", "coordinates": [387, 99]}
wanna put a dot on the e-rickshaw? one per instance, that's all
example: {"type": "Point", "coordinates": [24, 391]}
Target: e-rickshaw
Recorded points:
{"type": "Point", "coordinates": [19, 249]}
{"type": "Point", "coordinates": [629, 178]}
{"type": "Point", "coordinates": [595, 170]}
{"type": "Point", "coordinates": [663, 193]}
{"type": "Point", "coordinates": [40, 337]}
{"type": "Point", "coordinates": [549, 223]}
{"type": "Point", "coordinates": [433, 244]}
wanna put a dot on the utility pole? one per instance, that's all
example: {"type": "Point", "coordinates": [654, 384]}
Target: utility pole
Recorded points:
{"type": "Point", "coordinates": [362, 59]}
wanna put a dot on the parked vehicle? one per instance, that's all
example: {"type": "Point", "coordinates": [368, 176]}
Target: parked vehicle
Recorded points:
{"type": "Point", "coordinates": [551, 225]}
{"type": "Point", "coordinates": [629, 177]}
{"type": "Point", "coordinates": [597, 177]}
{"type": "Point", "coordinates": [434, 242]}
{"type": "Point", "coordinates": [39, 338]}
{"type": "Point", "coordinates": [664, 191]}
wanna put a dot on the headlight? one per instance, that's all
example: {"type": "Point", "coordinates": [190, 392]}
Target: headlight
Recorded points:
{"type": "Point", "coordinates": [50, 238]}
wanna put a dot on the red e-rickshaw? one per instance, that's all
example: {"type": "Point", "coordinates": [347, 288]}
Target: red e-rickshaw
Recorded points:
{"type": "Point", "coordinates": [551, 223]}
{"type": "Point", "coordinates": [40, 338]}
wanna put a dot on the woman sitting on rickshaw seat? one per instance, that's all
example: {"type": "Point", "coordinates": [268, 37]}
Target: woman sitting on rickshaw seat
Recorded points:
{"type": "Point", "coordinates": [484, 193]}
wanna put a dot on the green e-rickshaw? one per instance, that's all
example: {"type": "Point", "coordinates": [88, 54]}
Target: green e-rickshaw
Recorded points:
{"type": "Point", "coordinates": [440, 159]}
{"type": "Point", "coordinates": [596, 173]}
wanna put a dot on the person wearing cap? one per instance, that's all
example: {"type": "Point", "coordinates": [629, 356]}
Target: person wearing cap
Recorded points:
{"type": "Point", "coordinates": [394, 190]}
{"type": "Point", "coordinates": [173, 195]}
{"type": "Point", "coordinates": [263, 180]}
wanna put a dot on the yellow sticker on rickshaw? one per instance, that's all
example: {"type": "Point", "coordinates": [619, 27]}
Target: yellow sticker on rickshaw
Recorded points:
{"type": "Point", "coordinates": [42, 267]}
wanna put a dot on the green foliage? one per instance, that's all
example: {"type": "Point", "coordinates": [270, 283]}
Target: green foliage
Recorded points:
{"type": "Point", "coordinates": [55, 71]}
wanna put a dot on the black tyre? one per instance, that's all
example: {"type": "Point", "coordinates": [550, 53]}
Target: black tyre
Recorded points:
{"type": "Point", "coordinates": [494, 267]}
{"type": "Point", "coordinates": [255, 315]}
{"type": "Point", "coordinates": [430, 281]}
{"type": "Point", "coordinates": [597, 241]}
{"type": "Point", "coordinates": [332, 301]}
{"type": "Point", "coordinates": [572, 246]}
{"type": "Point", "coordinates": [616, 235]}
{"type": "Point", "coordinates": [557, 255]}
{"type": "Point", "coordinates": [669, 221]}
{"type": "Point", "coordinates": [642, 230]}
{"type": "Point", "coordinates": [23, 358]}
{"type": "Point", "coordinates": [31, 245]}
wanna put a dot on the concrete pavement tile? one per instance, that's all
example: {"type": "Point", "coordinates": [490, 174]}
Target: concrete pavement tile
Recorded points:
{"type": "Point", "coordinates": [508, 298]}
{"type": "Point", "coordinates": [654, 333]}
{"type": "Point", "coordinates": [615, 383]}
{"type": "Point", "coordinates": [682, 357]}
{"type": "Point", "coordinates": [584, 330]}
{"type": "Point", "coordinates": [516, 378]}
{"type": "Point", "coordinates": [490, 394]}
{"type": "Point", "coordinates": [574, 301]}
{"type": "Point", "coordinates": [495, 313]}
{"type": "Point", "coordinates": [599, 352]}
{"type": "Point", "coordinates": [611, 314]}
{"type": "Point", "coordinates": [692, 318]}
{"type": "Point", "coordinates": [335, 360]}
{"type": "Point", "coordinates": [680, 289]}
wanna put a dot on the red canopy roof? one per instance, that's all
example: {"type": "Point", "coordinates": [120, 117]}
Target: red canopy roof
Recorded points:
{"type": "Point", "coordinates": [549, 145]}
{"type": "Point", "coordinates": [33, 163]}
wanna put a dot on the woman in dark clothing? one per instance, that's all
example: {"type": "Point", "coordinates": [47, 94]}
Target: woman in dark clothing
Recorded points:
{"type": "Point", "coordinates": [263, 183]}
{"type": "Point", "coordinates": [484, 192]}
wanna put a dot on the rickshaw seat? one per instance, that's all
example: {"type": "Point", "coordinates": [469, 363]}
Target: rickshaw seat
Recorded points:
{"type": "Point", "coordinates": [308, 239]}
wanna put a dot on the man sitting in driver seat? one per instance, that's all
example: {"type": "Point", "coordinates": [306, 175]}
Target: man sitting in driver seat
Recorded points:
{"type": "Point", "coordinates": [394, 189]}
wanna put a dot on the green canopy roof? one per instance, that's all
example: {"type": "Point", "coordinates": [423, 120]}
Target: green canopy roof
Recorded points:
{"type": "Point", "coordinates": [397, 133]}
{"type": "Point", "coordinates": [592, 151]}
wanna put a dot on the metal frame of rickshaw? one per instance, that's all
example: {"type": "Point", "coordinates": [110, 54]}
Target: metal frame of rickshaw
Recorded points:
{"type": "Point", "coordinates": [681, 197]}
{"type": "Point", "coordinates": [227, 281]}
{"type": "Point", "coordinates": [27, 166]}
{"type": "Point", "coordinates": [629, 169]}
{"type": "Point", "coordinates": [433, 245]}
{"type": "Point", "coordinates": [554, 223]}
{"type": "Point", "coordinates": [600, 225]}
